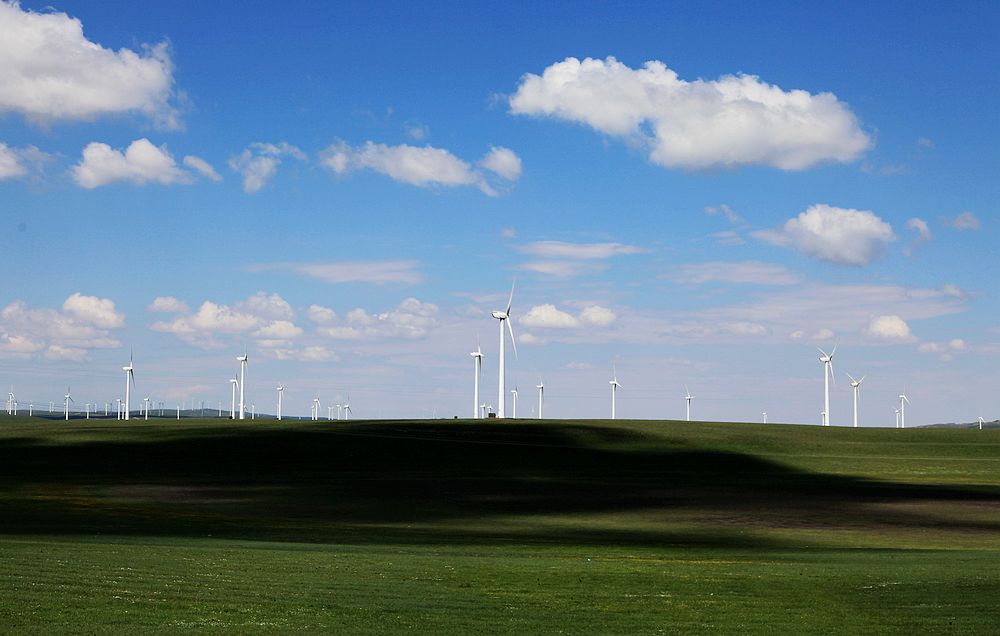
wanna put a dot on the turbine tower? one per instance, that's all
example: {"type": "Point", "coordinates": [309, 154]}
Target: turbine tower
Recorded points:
{"type": "Point", "coordinates": [689, 397]}
{"type": "Point", "coordinates": [10, 401]}
{"type": "Point", "coordinates": [478, 359]}
{"type": "Point", "coordinates": [145, 402]}
{"type": "Point", "coordinates": [614, 390]}
{"type": "Point", "coordinates": [513, 393]}
{"type": "Point", "coordinates": [232, 408]}
{"type": "Point", "coordinates": [281, 390]}
{"type": "Point", "coordinates": [903, 401]}
{"type": "Point", "coordinates": [67, 399]}
{"type": "Point", "coordinates": [827, 360]}
{"type": "Point", "coordinates": [764, 415]}
{"type": "Point", "coordinates": [316, 406]}
{"type": "Point", "coordinates": [243, 375]}
{"type": "Point", "coordinates": [856, 385]}
{"type": "Point", "coordinates": [541, 396]}
{"type": "Point", "coordinates": [896, 411]}
{"type": "Point", "coordinates": [980, 423]}
{"type": "Point", "coordinates": [347, 407]}
{"type": "Point", "coordinates": [129, 383]}
{"type": "Point", "coordinates": [504, 318]}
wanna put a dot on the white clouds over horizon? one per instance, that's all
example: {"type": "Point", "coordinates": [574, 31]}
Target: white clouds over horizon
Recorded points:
{"type": "Point", "coordinates": [84, 323]}
{"type": "Point", "coordinates": [837, 235]}
{"type": "Point", "coordinates": [422, 166]}
{"type": "Point", "coordinates": [734, 121]}
{"type": "Point", "coordinates": [19, 162]}
{"type": "Point", "coordinates": [50, 71]}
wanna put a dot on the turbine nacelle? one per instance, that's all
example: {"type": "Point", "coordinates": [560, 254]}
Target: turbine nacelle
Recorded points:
{"type": "Point", "coordinates": [500, 315]}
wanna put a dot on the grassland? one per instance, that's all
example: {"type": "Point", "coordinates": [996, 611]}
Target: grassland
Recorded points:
{"type": "Point", "coordinates": [528, 527]}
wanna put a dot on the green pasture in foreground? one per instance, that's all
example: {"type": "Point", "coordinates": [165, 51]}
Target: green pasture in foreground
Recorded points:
{"type": "Point", "coordinates": [527, 527]}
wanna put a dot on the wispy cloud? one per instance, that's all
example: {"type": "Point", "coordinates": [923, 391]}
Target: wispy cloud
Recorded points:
{"type": "Point", "coordinates": [336, 272]}
{"type": "Point", "coordinates": [582, 251]}
{"type": "Point", "coordinates": [259, 162]}
{"type": "Point", "coordinates": [734, 272]}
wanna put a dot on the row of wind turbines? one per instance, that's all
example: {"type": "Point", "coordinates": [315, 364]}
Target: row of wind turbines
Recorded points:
{"type": "Point", "coordinates": [480, 410]}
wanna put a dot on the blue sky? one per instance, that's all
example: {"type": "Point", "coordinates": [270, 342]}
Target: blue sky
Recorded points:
{"type": "Point", "coordinates": [698, 193]}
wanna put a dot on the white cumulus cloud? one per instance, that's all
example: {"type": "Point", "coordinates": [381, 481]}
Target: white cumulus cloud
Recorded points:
{"type": "Point", "coordinates": [50, 71]}
{"type": "Point", "coordinates": [422, 166]}
{"type": "Point", "coordinates": [140, 163]}
{"type": "Point", "coordinates": [269, 318]}
{"type": "Point", "coordinates": [548, 316]}
{"type": "Point", "coordinates": [890, 327]}
{"type": "Point", "coordinates": [411, 319]}
{"type": "Point", "coordinates": [838, 235]}
{"type": "Point", "coordinates": [597, 316]}
{"type": "Point", "coordinates": [732, 121]}
{"type": "Point", "coordinates": [99, 312]}
{"type": "Point", "coordinates": [923, 234]}
{"type": "Point", "coordinates": [259, 162]}
{"type": "Point", "coordinates": [84, 323]}
{"type": "Point", "coordinates": [19, 162]}
{"type": "Point", "coordinates": [168, 305]}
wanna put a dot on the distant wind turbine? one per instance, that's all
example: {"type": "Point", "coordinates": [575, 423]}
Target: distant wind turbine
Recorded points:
{"type": "Point", "coordinates": [827, 360]}
{"type": "Point", "coordinates": [903, 401]}
{"type": "Point", "coordinates": [689, 397]}
{"type": "Point", "coordinates": [347, 407]}
{"type": "Point", "coordinates": [614, 389]}
{"type": "Point", "coordinates": [145, 402]}
{"type": "Point", "coordinates": [243, 376]}
{"type": "Point", "coordinates": [478, 363]}
{"type": "Point", "coordinates": [897, 416]}
{"type": "Point", "coordinates": [504, 318]}
{"type": "Point", "coordinates": [232, 407]}
{"type": "Point", "coordinates": [541, 396]}
{"type": "Point", "coordinates": [67, 398]}
{"type": "Point", "coordinates": [980, 423]}
{"type": "Point", "coordinates": [129, 383]}
{"type": "Point", "coordinates": [316, 406]}
{"type": "Point", "coordinates": [281, 390]}
{"type": "Point", "coordinates": [513, 393]}
{"type": "Point", "coordinates": [764, 415]}
{"type": "Point", "coordinates": [856, 385]}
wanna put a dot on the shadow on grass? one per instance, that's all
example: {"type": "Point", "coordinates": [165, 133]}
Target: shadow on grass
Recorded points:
{"type": "Point", "coordinates": [438, 483]}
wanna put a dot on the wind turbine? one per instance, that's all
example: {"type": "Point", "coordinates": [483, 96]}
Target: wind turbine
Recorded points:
{"type": "Point", "coordinates": [232, 409]}
{"type": "Point", "coordinates": [513, 393]}
{"type": "Point", "coordinates": [10, 400]}
{"type": "Point", "coordinates": [897, 416]}
{"type": "Point", "coordinates": [504, 318]}
{"type": "Point", "coordinates": [67, 398]}
{"type": "Point", "coordinates": [145, 401]}
{"type": "Point", "coordinates": [347, 407]}
{"type": "Point", "coordinates": [243, 374]}
{"type": "Point", "coordinates": [281, 390]}
{"type": "Point", "coordinates": [316, 406]}
{"type": "Point", "coordinates": [118, 406]}
{"type": "Point", "coordinates": [482, 411]}
{"type": "Point", "coordinates": [980, 423]}
{"type": "Point", "coordinates": [86, 410]}
{"type": "Point", "coordinates": [614, 389]}
{"type": "Point", "coordinates": [541, 396]}
{"type": "Point", "coordinates": [856, 385]}
{"type": "Point", "coordinates": [903, 401]}
{"type": "Point", "coordinates": [827, 360]}
{"type": "Point", "coordinates": [689, 397]}
{"type": "Point", "coordinates": [129, 383]}
{"type": "Point", "coordinates": [478, 359]}
{"type": "Point", "coordinates": [764, 415]}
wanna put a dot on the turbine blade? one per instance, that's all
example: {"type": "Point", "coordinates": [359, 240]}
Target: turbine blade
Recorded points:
{"type": "Point", "coordinates": [833, 376]}
{"type": "Point", "coordinates": [851, 377]}
{"type": "Point", "coordinates": [510, 300]}
{"type": "Point", "coordinates": [823, 352]}
{"type": "Point", "coordinates": [834, 352]}
{"type": "Point", "coordinates": [862, 379]}
{"type": "Point", "coordinates": [510, 330]}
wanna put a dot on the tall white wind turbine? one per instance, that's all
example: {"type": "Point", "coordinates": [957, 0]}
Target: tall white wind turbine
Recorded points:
{"type": "Point", "coordinates": [232, 408]}
{"type": "Point", "coordinates": [281, 390]}
{"type": "Point", "coordinates": [10, 401]}
{"type": "Point", "coordinates": [129, 383]}
{"type": "Point", "coordinates": [903, 401]}
{"type": "Point", "coordinates": [980, 423]}
{"type": "Point", "coordinates": [513, 393]}
{"type": "Point", "coordinates": [316, 405]}
{"type": "Point", "coordinates": [856, 385]}
{"type": "Point", "coordinates": [347, 407]}
{"type": "Point", "coordinates": [243, 376]}
{"type": "Point", "coordinates": [827, 360]}
{"type": "Point", "coordinates": [145, 403]}
{"type": "Point", "coordinates": [67, 399]}
{"type": "Point", "coordinates": [477, 356]}
{"type": "Point", "coordinates": [688, 397]}
{"type": "Point", "coordinates": [541, 396]}
{"type": "Point", "coordinates": [614, 390]}
{"type": "Point", "coordinates": [764, 416]}
{"type": "Point", "coordinates": [896, 411]}
{"type": "Point", "coordinates": [504, 318]}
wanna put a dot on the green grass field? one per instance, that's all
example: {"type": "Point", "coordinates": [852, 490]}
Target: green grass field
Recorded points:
{"type": "Point", "coordinates": [528, 527]}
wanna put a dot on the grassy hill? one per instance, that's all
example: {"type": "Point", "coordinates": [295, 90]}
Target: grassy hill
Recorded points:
{"type": "Point", "coordinates": [526, 527]}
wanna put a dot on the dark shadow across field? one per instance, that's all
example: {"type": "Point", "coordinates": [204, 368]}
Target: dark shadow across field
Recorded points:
{"type": "Point", "coordinates": [430, 483]}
